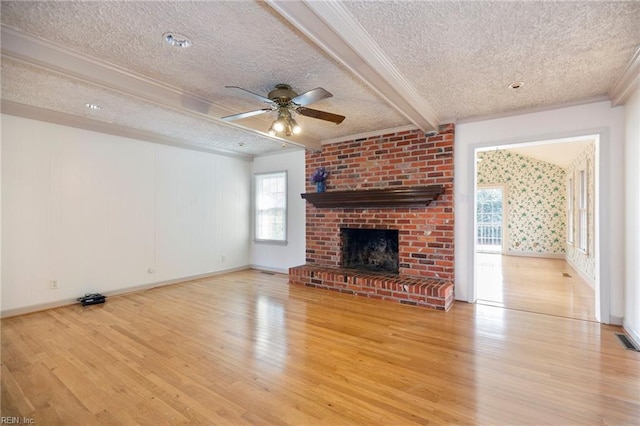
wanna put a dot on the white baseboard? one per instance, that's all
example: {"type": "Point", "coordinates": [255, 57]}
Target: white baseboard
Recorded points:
{"type": "Point", "coordinates": [6, 313]}
{"type": "Point", "coordinates": [269, 269]}
{"type": "Point", "coordinates": [633, 334]}
{"type": "Point", "coordinates": [613, 320]}
{"type": "Point", "coordinates": [590, 281]}
{"type": "Point", "coordinates": [533, 254]}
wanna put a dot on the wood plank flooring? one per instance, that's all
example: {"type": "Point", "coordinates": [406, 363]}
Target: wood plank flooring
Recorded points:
{"type": "Point", "coordinates": [547, 286]}
{"type": "Point", "coordinates": [247, 348]}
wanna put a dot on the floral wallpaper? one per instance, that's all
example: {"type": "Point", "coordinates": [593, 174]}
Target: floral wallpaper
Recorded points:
{"type": "Point", "coordinates": [585, 262]}
{"type": "Point", "coordinates": [536, 200]}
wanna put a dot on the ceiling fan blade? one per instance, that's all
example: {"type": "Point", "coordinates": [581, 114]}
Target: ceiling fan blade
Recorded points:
{"type": "Point", "coordinates": [321, 115]}
{"type": "Point", "coordinates": [313, 95]}
{"type": "Point", "coordinates": [246, 114]}
{"type": "Point", "coordinates": [251, 94]}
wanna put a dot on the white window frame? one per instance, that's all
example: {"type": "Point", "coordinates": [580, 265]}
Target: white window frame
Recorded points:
{"type": "Point", "coordinates": [583, 209]}
{"type": "Point", "coordinates": [570, 210]}
{"type": "Point", "coordinates": [260, 201]}
{"type": "Point", "coordinates": [505, 214]}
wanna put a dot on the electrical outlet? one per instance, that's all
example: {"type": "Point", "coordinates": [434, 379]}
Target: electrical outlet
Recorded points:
{"type": "Point", "coordinates": [53, 284]}
{"type": "Point", "coordinates": [224, 257]}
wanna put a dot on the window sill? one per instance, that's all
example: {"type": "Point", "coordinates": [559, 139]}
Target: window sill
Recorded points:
{"type": "Point", "coordinates": [272, 242]}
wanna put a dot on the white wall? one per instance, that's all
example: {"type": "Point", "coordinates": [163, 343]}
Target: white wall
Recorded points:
{"type": "Point", "coordinates": [281, 257]}
{"type": "Point", "coordinates": [101, 213]}
{"type": "Point", "coordinates": [632, 211]}
{"type": "Point", "coordinates": [595, 118]}
{"type": "Point", "coordinates": [0, 215]}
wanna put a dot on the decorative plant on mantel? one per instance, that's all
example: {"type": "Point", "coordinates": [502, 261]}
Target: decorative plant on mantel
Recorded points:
{"type": "Point", "coordinates": [319, 177]}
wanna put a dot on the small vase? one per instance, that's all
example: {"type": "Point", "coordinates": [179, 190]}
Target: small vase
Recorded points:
{"type": "Point", "coordinates": [321, 186]}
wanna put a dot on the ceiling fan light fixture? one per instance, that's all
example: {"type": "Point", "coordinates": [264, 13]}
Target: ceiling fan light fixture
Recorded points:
{"type": "Point", "coordinates": [284, 102]}
{"type": "Point", "coordinates": [284, 124]}
{"type": "Point", "coordinates": [294, 127]}
{"type": "Point", "coordinates": [278, 125]}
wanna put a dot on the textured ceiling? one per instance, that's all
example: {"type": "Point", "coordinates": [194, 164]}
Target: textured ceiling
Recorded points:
{"type": "Point", "coordinates": [388, 64]}
{"type": "Point", "coordinates": [462, 56]}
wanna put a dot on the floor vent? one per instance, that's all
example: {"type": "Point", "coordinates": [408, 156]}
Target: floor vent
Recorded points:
{"type": "Point", "coordinates": [564, 274]}
{"type": "Point", "coordinates": [627, 343]}
{"type": "Point", "coordinates": [268, 273]}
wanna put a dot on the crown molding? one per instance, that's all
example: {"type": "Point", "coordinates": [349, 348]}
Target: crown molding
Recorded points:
{"type": "Point", "coordinates": [477, 118]}
{"type": "Point", "coordinates": [334, 29]}
{"type": "Point", "coordinates": [628, 81]}
{"type": "Point", "coordinates": [55, 117]}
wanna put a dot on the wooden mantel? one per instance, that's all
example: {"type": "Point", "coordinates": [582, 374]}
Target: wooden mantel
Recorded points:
{"type": "Point", "coordinates": [386, 197]}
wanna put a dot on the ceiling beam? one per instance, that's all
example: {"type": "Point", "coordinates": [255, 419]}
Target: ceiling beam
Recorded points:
{"type": "Point", "coordinates": [334, 29]}
{"type": "Point", "coordinates": [50, 56]}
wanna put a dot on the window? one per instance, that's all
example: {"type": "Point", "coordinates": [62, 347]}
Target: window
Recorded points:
{"type": "Point", "coordinates": [271, 207]}
{"type": "Point", "coordinates": [582, 210]}
{"type": "Point", "coordinates": [570, 211]}
{"type": "Point", "coordinates": [489, 217]}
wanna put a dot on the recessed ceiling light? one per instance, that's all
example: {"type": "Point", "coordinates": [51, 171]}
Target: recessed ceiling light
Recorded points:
{"type": "Point", "coordinates": [94, 107]}
{"type": "Point", "coordinates": [516, 85]}
{"type": "Point", "coordinates": [177, 40]}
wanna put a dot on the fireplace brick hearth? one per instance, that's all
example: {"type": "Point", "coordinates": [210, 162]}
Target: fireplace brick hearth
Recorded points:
{"type": "Point", "coordinates": [405, 159]}
{"type": "Point", "coordinates": [417, 291]}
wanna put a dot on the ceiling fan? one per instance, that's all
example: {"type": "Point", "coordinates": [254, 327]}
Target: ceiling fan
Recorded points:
{"type": "Point", "coordinates": [283, 100]}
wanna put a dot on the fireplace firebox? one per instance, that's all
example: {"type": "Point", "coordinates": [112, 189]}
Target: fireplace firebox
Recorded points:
{"type": "Point", "coordinates": [370, 249]}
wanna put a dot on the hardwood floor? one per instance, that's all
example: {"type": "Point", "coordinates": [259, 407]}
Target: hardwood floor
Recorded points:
{"type": "Point", "coordinates": [247, 348]}
{"type": "Point", "coordinates": [547, 286]}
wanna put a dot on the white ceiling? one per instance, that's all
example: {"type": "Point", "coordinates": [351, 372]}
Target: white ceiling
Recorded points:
{"type": "Point", "coordinates": [389, 64]}
{"type": "Point", "coordinates": [561, 152]}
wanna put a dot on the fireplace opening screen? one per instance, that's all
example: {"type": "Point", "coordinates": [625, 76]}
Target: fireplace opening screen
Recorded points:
{"type": "Point", "coordinates": [370, 249]}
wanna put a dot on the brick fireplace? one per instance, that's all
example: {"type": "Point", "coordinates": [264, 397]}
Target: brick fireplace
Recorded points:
{"type": "Point", "coordinates": [403, 160]}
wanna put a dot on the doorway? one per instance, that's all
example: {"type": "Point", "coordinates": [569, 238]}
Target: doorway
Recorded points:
{"type": "Point", "coordinates": [521, 255]}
